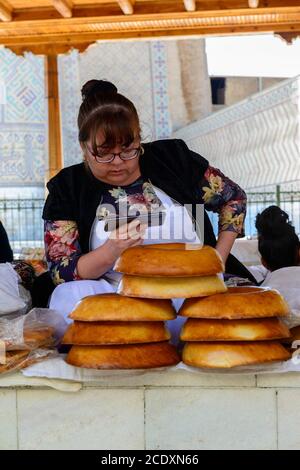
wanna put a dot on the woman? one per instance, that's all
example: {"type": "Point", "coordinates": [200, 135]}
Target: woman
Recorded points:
{"type": "Point", "coordinates": [119, 170]}
{"type": "Point", "coordinates": [19, 299]}
{"type": "Point", "coordinates": [6, 254]}
{"type": "Point", "coordinates": [279, 247]}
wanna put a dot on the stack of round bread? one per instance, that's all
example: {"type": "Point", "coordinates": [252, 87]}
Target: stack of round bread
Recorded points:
{"type": "Point", "coordinates": [233, 329]}
{"type": "Point", "coordinates": [170, 270]}
{"type": "Point", "coordinates": [115, 332]}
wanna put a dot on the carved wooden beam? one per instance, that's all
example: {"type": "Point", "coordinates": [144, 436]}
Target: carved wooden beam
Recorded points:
{"type": "Point", "coordinates": [62, 33]}
{"type": "Point", "coordinates": [190, 5]}
{"type": "Point", "coordinates": [5, 12]}
{"type": "Point", "coordinates": [126, 6]}
{"type": "Point", "coordinates": [253, 3]}
{"type": "Point", "coordinates": [288, 38]}
{"type": "Point", "coordinates": [64, 7]}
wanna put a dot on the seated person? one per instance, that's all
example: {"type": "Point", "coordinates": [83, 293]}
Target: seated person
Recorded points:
{"type": "Point", "coordinates": [279, 247]}
{"type": "Point", "coordinates": [6, 254]}
{"type": "Point", "coordinates": [31, 287]}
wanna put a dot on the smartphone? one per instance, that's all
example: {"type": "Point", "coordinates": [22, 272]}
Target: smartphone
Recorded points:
{"type": "Point", "coordinates": [151, 219]}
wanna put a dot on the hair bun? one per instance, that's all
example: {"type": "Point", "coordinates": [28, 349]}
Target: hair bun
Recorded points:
{"type": "Point", "coordinates": [273, 222]}
{"type": "Point", "coordinates": [98, 86]}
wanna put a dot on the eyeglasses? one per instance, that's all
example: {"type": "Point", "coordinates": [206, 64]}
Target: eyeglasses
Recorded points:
{"type": "Point", "coordinates": [125, 155]}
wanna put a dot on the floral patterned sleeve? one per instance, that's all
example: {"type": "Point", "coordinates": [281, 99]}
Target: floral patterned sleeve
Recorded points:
{"type": "Point", "coordinates": [222, 195]}
{"type": "Point", "coordinates": [62, 250]}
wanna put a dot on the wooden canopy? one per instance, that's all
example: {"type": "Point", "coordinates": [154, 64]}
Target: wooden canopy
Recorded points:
{"type": "Point", "coordinates": [54, 26]}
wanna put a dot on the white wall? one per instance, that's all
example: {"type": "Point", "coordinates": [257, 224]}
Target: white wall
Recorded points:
{"type": "Point", "coordinates": [254, 142]}
{"type": "Point", "coordinates": [154, 411]}
{"type": "Point", "coordinates": [263, 55]}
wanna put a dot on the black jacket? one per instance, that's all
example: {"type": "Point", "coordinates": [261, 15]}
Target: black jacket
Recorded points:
{"type": "Point", "coordinates": [74, 193]}
{"type": "Point", "coordinates": [6, 254]}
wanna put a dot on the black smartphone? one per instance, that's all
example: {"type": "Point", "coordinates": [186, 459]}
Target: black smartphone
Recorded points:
{"type": "Point", "coordinates": [151, 219]}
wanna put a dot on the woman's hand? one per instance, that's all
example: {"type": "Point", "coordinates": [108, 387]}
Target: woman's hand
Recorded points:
{"type": "Point", "coordinates": [97, 262]}
{"type": "Point", "coordinates": [126, 236]}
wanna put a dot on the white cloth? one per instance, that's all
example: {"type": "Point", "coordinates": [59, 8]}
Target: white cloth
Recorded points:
{"type": "Point", "coordinates": [65, 296]}
{"type": "Point", "coordinates": [259, 272]}
{"type": "Point", "coordinates": [178, 226]}
{"type": "Point", "coordinates": [287, 282]}
{"type": "Point", "coordinates": [39, 377]}
{"type": "Point", "coordinates": [246, 250]}
{"type": "Point", "coordinates": [10, 298]}
{"type": "Point", "coordinates": [57, 368]}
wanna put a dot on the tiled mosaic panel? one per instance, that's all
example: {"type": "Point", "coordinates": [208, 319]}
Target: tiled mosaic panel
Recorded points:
{"type": "Point", "coordinates": [126, 65]}
{"type": "Point", "coordinates": [139, 69]}
{"type": "Point", "coordinates": [159, 68]}
{"type": "Point", "coordinates": [23, 120]}
{"type": "Point", "coordinates": [69, 91]}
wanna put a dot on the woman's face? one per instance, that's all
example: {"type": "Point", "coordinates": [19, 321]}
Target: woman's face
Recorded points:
{"type": "Point", "coordinates": [117, 172]}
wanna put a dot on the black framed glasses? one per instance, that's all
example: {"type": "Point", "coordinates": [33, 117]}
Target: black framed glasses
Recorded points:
{"type": "Point", "coordinates": [125, 155]}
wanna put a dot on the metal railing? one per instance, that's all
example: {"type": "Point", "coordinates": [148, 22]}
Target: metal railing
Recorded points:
{"type": "Point", "coordinates": [22, 219]}
{"type": "Point", "coordinates": [286, 199]}
{"type": "Point", "coordinates": [286, 196]}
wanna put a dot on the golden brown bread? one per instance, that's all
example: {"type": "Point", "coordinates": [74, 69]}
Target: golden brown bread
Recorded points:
{"type": "Point", "coordinates": [141, 356]}
{"type": "Point", "coordinates": [97, 333]}
{"type": "Point", "coordinates": [16, 360]}
{"type": "Point", "coordinates": [114, 307]}
{"type": "Point", "coordinates": [36, 338]}
{"type": "Point", "coordinates": [33, 338]}
{"type": "Point", "coordinates": [172, 287]}
{"type": "Point", "coordinates": [196, 329]}
{"type": "Point", "coordinates": [236, 304]}
{"type": "Point", "coordinates": [294, 335]}
{"type": "Point", "coordinates": [170, 259]}
{"type": "Point", "coordinates": [227, 355]}
{"type": "Point", "coordinates": [13, 359]}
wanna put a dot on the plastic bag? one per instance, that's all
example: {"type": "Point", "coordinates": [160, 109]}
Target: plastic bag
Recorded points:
{"type": "Point", "coordinates": [41, 327]}
{"type": "Point", "coordinates": [10, 299]}
{"type": "Point", "coordinates": [16, 360]}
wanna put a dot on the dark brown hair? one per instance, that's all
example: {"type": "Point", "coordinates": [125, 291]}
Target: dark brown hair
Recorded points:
{"type": "Point", "coordinates": [103, 108]}
{"type": "Point", "coordinates": [278, 242]}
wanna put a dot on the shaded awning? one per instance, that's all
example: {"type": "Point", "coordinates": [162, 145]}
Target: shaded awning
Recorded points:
{"type": "Point", "coordinates": [44, 26]}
